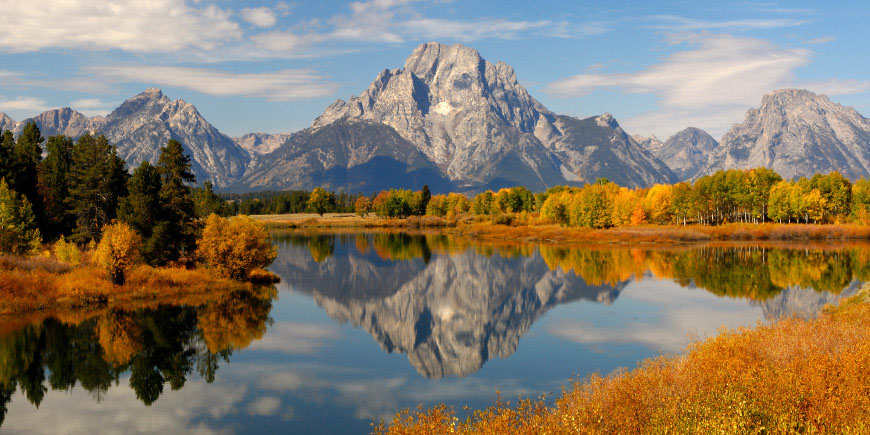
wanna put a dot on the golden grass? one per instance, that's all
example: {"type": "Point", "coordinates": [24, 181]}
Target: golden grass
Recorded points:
{"type": "Point", "coordinates": [28, 290]}
{"type": "Point", "coordinates": [549, 233]}
{"type": "Point", "coordinates": [793, 376]}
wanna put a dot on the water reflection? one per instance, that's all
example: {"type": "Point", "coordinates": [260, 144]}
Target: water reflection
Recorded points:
{"type": "Point", "coordinates": [158, 347]}
{"type": "Point", "coordinates": [469, 317]}
{"type": "Point", "coordinates": [451, 305]}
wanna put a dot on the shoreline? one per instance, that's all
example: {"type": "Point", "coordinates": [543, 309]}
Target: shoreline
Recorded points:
{"type": "Point", "coordinates": [521, 230]}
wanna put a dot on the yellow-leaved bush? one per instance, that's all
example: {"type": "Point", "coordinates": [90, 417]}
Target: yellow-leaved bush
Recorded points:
{"type": "Point", "coordinates": [235, 246]}
{"type": "Point", "coordinates": [67, 252]}
{"type": "Point", "coordinates": [118, 250]}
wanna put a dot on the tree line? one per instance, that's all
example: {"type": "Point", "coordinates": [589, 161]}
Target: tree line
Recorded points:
{"type": "Point", "coordinates": [72, 189]}
{"type": "Point", "coordinates": [756, 195]}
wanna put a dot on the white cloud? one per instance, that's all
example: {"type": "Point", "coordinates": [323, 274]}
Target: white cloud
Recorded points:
{"type": "Point", "coordinates": [284, 85]}
{"type": "Point", "coordinates": [121, 412]}
{"type": "Point", "coordinates": [260, 17]}
{"type": "Point", "coordinates": [471, 30]}
{"type": "Point", "coordinates": [22, 106]}
{"type": "Point", "coordinates": [710, 85]}
{"type": "Point", "coordinates": [132, 25]}
{"type": "Point", "coordinates": [91, 106]}
{"type": "Point", "coordinates": [677, 23]}
{"type": "Point", "coordinates": [268, 405]}
{"type": "Point", "coordinates": [822, 40]}
{"type": "Point", "coordinates": [296, 338]}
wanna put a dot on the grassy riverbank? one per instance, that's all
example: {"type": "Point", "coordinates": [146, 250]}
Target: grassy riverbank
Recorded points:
{"type": "Point", "coordinates": [30, 284]}
{"type": "Point", "coordinates": [793, 376]}
{"type": "Point", "coordinates": [529, 228]}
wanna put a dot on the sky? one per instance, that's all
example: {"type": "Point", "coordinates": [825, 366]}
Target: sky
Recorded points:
{"type": "Point", "coordinates": [273, 66]}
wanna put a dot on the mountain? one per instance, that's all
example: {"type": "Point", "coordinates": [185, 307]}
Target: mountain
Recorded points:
{"type": "Point", "coordinates": [142, 125]}
{"type": "Point", "coordinates": [797, 133]}
{"type": "Point", "coordinates": [481, 128]}
{"type": "Point", "coordinates": [356, 156]}
{"type": "Point", "coordinates": [686, 152]}
{"type": "Point", "coordinates": [261, 143]}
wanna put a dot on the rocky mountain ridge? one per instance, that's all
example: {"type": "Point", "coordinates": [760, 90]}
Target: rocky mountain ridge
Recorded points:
{"type": "Point", "coordinates": [797, 133]}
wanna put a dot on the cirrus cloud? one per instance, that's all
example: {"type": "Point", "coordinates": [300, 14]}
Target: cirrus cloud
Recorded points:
{"type": "Point", "coordinates": [284, 85]}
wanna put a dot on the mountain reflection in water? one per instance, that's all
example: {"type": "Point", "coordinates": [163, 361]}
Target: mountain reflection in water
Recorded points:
{"type": "Point", "coordinates": [447, 304]}
{"type": "Point", "coordinates": [450, 305]}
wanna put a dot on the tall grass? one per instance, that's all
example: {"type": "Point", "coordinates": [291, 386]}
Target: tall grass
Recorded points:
{"type": "Point", "coordinates": [794, 376]}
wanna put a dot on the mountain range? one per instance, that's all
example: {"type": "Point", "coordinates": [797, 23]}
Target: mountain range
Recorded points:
{"type": "Point", "coordinates": [455, 121]}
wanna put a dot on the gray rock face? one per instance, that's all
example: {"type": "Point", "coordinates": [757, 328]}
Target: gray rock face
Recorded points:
{"type": "Point", "coordinates": [357, 156]}
{"type": "Point", "coordinates": [685, 153]}
{"type": "Point", "coordinates": [482, 129]}
{"type": "Point", "coordinates": [597, 147]}
{"type": "Point", "coordinates": [143, 124]}
{"type": "Point", "coordinates": [66, 121]}
{"type": "Point", "coordinates": [261, 143]}
{"type": "Point", "coordinates": [797, 133]}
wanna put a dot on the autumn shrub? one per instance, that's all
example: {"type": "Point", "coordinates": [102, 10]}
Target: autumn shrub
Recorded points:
{"type": "Point", "coordinates": [118, 250]}
{"type": "Point", "coordinates": [235, 246]}
{"type": "Point", "coordinates": [793, 376]}
{"type": "Point", "coordinates": [67, 252]}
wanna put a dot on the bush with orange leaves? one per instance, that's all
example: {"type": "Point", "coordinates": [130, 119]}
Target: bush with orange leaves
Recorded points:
{"type": "Point", "coordinates": [793, 376]}
{"type": "Point", "coordinates": [118, 250]}
{"type": "Point", "coordinates": [235, 246]}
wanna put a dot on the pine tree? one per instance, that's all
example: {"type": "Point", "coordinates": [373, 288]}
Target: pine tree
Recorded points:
{"type": "Point", "coordinates": [178, 234]}
{"type": "Point", "coordinates": [7, 147]}
{"type": "Point", "coordinates": [206, 202]}
{"type": "Point", "coordinates": [142, 208]}
{"type": "Point", "coordinates": [97, 181]}
{"type": "Point", "coordinates": [26, 156]}
{"type": "Point", "coordinates": [18, 231]}
{"type": "Point", "coordinates": [53, 186]}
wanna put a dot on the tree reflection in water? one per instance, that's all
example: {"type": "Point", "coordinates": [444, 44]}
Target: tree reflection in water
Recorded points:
{"type": "Point", "coordinates": [450, 304]}
{"type": "Point", "coordinates": [156, 346]}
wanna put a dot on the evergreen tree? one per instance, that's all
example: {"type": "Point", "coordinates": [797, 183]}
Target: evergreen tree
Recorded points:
{"type": "Point", "coordinates": [425, 197]}
{"type": "Point", "coordinates": [97, 181]}
{"type": "Point", "coordinates": [178, 235]}
{"type": "Point", "coordinates": [18, 231]}
{"type": "Point", "coordinates": [142, 208]}
{"type": "Point", "coordinates": [206, 202]}
{"type": "Point", "coordinates": [53, 186]}
{"type": "Point", "coordinates": [26, 156]}
{"type": "Point", "coordinates": [7, 148]}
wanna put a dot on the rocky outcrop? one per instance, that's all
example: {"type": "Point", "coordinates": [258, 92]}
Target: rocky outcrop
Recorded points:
{"type": "Point", "coordinates": [685, 153]}
{"type": "Point", "coordinates": [261, 143]}
{"type": "Point", "coordinates": [482, 129]}
{"type": "Point", "coordinates": [143, 124]}
{"type": "Point", "coordinates": [350, 155]}
{"type": "Point", "coordinates": [797, 133]}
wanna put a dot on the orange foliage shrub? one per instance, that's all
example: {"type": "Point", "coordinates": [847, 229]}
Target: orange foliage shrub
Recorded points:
{"type": "Point", "coordinates": [794, 376]}
{"type": "Point", "coordinates": [118, 250]}
{"type": "Point", "coordinates": [235, 246]}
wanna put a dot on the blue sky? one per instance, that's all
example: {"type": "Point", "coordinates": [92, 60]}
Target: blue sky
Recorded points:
{"type": "Point", "coordinates": [273, 66]}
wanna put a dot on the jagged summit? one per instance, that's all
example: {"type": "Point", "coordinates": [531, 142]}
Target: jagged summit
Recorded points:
{"type": "Point", "coordinates": [483, 129]}
{"type": "Point", "coordinates": [797, 133]}
{"type": "Point", "coordinates": [686, 152]}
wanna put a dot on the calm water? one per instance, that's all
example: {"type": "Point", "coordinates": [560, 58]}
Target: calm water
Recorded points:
{"type": "Point", "coordinates": [363, 325]}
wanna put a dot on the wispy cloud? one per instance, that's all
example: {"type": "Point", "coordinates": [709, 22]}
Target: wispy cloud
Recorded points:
{"type": "Point", "coordinates": [284, 85]}
{"type": "Point", "coordinates": [92, 106]}
{"type": "Point", "coordinates": [131, 25]}
{"type": "Point", "coordinates": [709, 85]}
{"type": "Point", "coordinates": [22, 106]}
{"type": "Point", "coordinates": [822, 40]}
{"type": "Point", "coordinates": [471, 30]}
{"type": "Point", "coordinates": [676, 23]}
